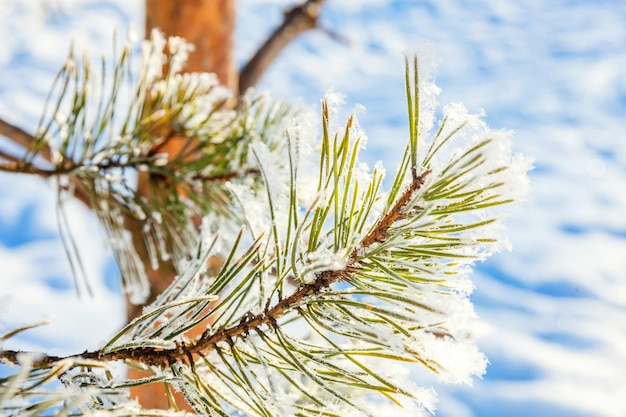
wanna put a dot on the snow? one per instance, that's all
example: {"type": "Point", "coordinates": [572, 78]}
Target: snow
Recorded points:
{"type": "Point", "coordinates": [551, 71]}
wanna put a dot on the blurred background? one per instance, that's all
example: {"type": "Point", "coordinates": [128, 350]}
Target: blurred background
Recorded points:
{"type": "Point", "coordinates": [554, 308]}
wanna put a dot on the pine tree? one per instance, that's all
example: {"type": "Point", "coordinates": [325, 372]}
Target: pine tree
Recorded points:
{"type": "Point", "coordinates": [331, 290]}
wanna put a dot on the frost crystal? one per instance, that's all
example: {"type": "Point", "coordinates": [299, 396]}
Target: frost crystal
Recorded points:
{"type": "Point", "coordinates": [153, 57]}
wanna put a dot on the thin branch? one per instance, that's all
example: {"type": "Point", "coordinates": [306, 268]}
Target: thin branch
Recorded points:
{"type": "Point", "coordinates": [20, 168]}
{"type": "Point", "coordinates": [80, 190]}
{"type": "Point", "coordinates": [26, 140]}
{"type": "Point", "coordinates": [297, 20]}
{"type": "Point", "coordinates": [17, 166]}
{"type": "Point", "coordinates": [251, 172]}
{"type": "Point", "coordinates": [208, 341]}
{"type": "Point", "coordinates": [22, 138]}
{"type": "Point", "coordinates": [8, 157]}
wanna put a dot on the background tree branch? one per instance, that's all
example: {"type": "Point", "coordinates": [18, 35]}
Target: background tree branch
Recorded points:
{"type": "Point", "coordinates": [8, 157]}
{"type": "Point", "coordinates": [21, 137]}
{"type": "Point", "coordinates": [297, 20]}
{"type": "Point", "coordinates": [26, 141]}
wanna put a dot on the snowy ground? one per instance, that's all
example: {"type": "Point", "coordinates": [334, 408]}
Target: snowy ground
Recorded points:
{"type": "Point", "coordinates": [554, 72]}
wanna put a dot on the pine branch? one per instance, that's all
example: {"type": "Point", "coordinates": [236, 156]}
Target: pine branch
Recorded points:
{"type": "Point", "coordinates": [91, 147]}
{"type": "Point", "coordinates": [210, 339]}
{"type": "Point", "coordinates": [379, 279]}
{"type": "Point", "coordinates": [297, 20]}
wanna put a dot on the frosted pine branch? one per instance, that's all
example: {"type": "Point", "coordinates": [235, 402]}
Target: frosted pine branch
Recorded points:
{"type": "Point", "coordinates": [328, 283]}
{"type": "Point", "coordinates": [209, 340]}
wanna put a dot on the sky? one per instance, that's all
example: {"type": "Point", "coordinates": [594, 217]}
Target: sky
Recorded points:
{"type": "Point", "coordinates": [553, 309]}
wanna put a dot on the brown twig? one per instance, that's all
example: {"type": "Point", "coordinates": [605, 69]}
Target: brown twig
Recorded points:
{"type": "Point", "coordinates": [381, 232]}
{"type": "Point", "coordinates": [210, 339]}
{"type": "Point", "coordinates": [297, 20]}
{"type": "Point", "coordinates": [21, 137]}
{"type": "Point", "coordinates": [207, 341]}
{"type": "Point", "coordinates": [20, 168]}
{"type": "Point", "coordinates": [8, 157]}
{"type": "Point", "coordinates": [27, 141]}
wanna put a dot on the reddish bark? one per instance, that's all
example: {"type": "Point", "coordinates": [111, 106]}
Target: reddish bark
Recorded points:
{"type": "Point", "coordinates": [209, 25]}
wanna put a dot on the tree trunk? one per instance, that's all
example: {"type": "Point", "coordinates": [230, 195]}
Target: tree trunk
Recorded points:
{"type": "Point", "coordinates": [209, 25]}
